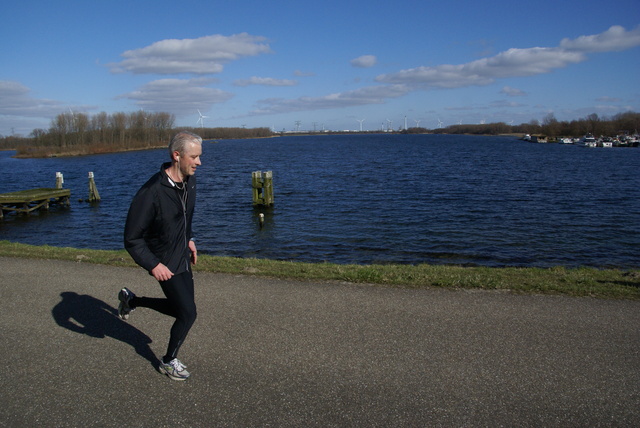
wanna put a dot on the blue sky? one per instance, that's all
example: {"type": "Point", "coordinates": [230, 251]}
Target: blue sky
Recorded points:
{"type": "Point", "coordinates": [327, 64]}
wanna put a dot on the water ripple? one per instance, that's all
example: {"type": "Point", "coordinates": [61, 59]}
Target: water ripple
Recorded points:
{"type": "Point", "coordinates": [371, 199]}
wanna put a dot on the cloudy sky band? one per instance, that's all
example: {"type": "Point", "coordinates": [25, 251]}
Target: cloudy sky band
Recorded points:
{"type": "Point", "coordinates": [188, 67]}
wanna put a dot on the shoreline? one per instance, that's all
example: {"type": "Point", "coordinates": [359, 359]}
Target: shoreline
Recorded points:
{"type": "Point", "coordinates": [92, 151]}
{"type": "Point", "coordinates": [83, 153]}
{"type": "Point", "coordinates": [574, 282]}
{"type": "Point", "coordinates": [101, 151]}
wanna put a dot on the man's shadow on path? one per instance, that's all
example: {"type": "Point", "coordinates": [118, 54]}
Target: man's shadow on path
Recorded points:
{"type": "Point", "coordinates": [84, 314]}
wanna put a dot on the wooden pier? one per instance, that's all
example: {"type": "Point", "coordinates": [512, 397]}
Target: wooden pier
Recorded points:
{"type": "Point", "coordinates": [26, 201]}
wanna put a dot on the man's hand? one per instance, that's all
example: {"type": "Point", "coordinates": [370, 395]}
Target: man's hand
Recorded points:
{"type": "Point", "coordinates": [194, 252]}
{"type": "Point", "coordinates": [161, 272]}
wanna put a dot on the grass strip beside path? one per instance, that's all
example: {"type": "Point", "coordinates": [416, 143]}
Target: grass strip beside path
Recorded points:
{"type": "Point", "coordinates": [579, 282]}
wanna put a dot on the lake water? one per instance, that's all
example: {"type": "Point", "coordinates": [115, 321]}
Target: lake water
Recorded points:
{"type": "Point", "coordinates": [365, 199]}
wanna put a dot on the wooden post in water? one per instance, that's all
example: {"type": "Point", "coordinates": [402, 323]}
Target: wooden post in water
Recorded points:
{"type": "Point", "coordinates": [268, 188]}
{"type": "Point", "coordinates": [94, 196]}
{"type": "Point", "coordinates": [262, 188]}
{"type": "Point", "coordinates": [59, 180]}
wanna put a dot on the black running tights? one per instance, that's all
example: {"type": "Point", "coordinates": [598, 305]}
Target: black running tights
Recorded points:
{"type": "Point", "coordinates": [179, 303]}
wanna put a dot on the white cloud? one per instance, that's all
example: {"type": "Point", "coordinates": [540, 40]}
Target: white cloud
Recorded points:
{"type": "Point", "coordinates": [177, 96]}
{"type": "Point", "coordinates": [20, 112]}
{"type": "Point", "coordinates": [504, 103]}
{"type": "Point", "coordinates": [512, 92]}
{"type": "Point", "coordinates": [608, 100]}
{"type": "Point", "coordinates": [515, 62]}
{"type": "Point", "coordinates": [362, 96]}
{"type": "Point", "coordinates": [15, 100]}
{"type": "Point", "coordinates": [459, 108]}
{"type": "Point", "coordinates": [301, 73]}
{"type": "Point", "coordinates": [510, 63]}
{"type": "Point", "coordinates": [616, 38]}
{"type": "Point", "coordinates": [12, 89]}
{"type": "Point", "coordinates": [265, 81]}
{"type": "Point", "coordinates": [204, 55]}
{"type": "Point", "coordinates": [364, 61]}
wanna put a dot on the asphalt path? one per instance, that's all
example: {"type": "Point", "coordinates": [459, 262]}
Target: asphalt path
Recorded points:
{"type": "Point", "coordinates": [267, 352]}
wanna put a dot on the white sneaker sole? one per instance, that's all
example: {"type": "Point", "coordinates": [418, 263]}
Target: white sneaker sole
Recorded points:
{"type": "Point", "coordinates": [170, 376]}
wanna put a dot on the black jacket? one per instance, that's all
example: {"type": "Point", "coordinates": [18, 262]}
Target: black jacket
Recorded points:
{"type": "Point", "coordinates": [158, 227]}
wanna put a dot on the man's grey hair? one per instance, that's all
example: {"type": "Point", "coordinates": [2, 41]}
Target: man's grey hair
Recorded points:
{"type": "Point", "coordinates": [181, 139]}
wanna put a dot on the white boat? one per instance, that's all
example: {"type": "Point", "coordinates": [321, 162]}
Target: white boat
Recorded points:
{"type": "Point", "coordinates": [606, 142]}
{"type": "Point", "coordinates": [565, 141]}
{"type": "Point", "coordinates": [588, 141]}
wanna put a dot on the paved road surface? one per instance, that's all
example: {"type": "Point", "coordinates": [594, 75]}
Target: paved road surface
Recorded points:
{"type": "Point", "coordinates": [279, 353]}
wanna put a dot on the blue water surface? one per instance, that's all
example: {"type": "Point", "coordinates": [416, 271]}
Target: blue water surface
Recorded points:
{"type": "Point", "coordinates": [443, 199]}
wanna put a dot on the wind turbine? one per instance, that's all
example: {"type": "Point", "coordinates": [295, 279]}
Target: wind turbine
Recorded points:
{"type": "Point", "coordinates": [360, 120]}
{"type": "Point", "coordinates": [73, 117]}
{"type": "Point", "coordinates": [439, 123]}
{"type": "Point", "coordinates": [389, 122]}
{"type": "Point", "coordinates": [417, 123]}
{"type": "Point", "coordinates": [201, 119]}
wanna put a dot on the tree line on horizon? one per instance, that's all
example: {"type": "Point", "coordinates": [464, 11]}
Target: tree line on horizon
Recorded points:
{"type": "Point", "coordinates": [619, 124]}
{"type": "Point", "coordinates": [79, 133]}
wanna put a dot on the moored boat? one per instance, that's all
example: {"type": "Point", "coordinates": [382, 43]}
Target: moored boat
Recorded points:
{"type": "Point", "coordinates": [588, 141]}
{"type": "Point", "coordinates": [606, 142]}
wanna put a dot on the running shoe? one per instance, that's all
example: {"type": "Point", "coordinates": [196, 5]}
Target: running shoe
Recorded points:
{"type": "Point", "coordinates": [174, 369]}
{"type": "Point", "coordinates": [124, 309]}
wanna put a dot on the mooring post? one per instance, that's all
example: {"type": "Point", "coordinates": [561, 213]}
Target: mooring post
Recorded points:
{"type": "Point", "coordinates": [59, 180]}
{"type": "Point", "coordinates": [94, 196]}
{"type": "Point", "coordinates": [262, 184]}
{"type": "Point", "coordinates": [268, 188]}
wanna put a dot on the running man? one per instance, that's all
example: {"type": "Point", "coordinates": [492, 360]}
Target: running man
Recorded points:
{"type": "Point", "coordinates": [158, 237]}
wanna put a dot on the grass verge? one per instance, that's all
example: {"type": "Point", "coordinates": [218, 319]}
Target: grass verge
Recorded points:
{"type": "Point", "coordinates": [600, 283]}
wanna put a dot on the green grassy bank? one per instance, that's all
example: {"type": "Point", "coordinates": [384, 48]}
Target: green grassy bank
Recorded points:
{"type": "Point", "coordinates": [600, 283]}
